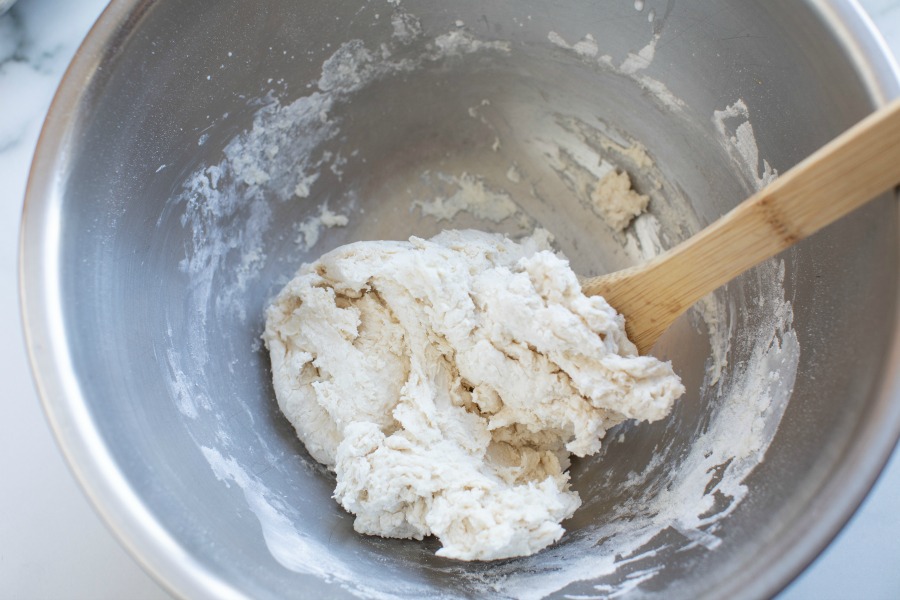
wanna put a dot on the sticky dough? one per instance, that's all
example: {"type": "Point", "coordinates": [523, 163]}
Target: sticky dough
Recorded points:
{"type": "Point", "coordinates": [447, 381]}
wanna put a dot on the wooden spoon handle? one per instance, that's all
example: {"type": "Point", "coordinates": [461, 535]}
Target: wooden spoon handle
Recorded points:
{"type": "Point", "coordinates": [840, 177]}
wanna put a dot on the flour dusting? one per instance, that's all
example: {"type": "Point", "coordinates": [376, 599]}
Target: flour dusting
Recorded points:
{"type": "Point", "coordinates": [587, 49]}
{"type": "Point", "coordinates": [471, 195]}
{"type": "Point", "coordinates": [639, 61]}
{"type": "Point", "coordinates": [310, 229]}
{"type": "Point", "coordinates": [740, 142]}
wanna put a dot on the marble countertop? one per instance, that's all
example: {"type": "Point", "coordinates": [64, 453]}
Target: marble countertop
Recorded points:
{"type": "Point", "coordinates": [52, 544]}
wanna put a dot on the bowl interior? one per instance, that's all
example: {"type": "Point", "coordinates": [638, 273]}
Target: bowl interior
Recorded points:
{"type": "Point", "coordinates": [205, 148]}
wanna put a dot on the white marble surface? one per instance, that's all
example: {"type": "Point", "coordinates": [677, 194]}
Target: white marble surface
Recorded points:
{"type": "Point", "coordinates": [52, 545]}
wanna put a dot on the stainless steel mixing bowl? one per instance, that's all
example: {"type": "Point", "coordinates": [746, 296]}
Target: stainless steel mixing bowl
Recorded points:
{"type": "Point", "coordinates": [150, 247]}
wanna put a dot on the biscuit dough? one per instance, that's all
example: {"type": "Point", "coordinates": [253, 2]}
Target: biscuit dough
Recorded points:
{"type": "Point", "coordinates": [447, 381]}
{"type": "Point", "coordinates": [616, 202]}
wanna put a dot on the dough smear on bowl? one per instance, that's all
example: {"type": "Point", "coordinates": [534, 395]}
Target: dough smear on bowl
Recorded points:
{"type": "Point", "coordinates": [447, 381]}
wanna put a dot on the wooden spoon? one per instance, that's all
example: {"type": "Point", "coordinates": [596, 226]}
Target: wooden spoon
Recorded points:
{"type": "Point", "coordinates": [846, 173]}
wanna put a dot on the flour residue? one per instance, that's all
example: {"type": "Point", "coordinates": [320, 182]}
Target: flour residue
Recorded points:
{"type": "Point", "coordinates": [310, 229]}
{"type": "Point", "coordinates": [472, 195]}
{"type": "Point", "coordinates": [733, 125]}
{"type": "Point", "coordinates": [293, 549]}
{"type": "Point", "coordinates": [407, 27]}
{"type": "Point", "coordinates": [639, 61]}
{"type": "Point", "coordinates": [586, 46]}
{"type": "Point", "coordinates": [513, 174]}
{"type": "Point", "coordinates": [595, 162]}
{"type": "Point", "coordinates": [460, 41]}
{"type": "Point", "coordinates": [631, 66]}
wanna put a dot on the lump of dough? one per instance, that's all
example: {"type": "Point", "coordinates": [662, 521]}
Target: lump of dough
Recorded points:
{"type": "Point", "coordinates": [447, 381]}
{"type": "Point", "coordinates": [616, 202]}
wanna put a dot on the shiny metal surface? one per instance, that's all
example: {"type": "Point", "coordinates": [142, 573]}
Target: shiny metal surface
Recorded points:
{"type": "Point", "coordinates": [111, 317]}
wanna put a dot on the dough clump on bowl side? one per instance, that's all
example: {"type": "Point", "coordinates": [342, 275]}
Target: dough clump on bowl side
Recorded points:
{"type": "Point", "coordinates": [447, 381]}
